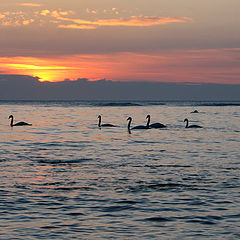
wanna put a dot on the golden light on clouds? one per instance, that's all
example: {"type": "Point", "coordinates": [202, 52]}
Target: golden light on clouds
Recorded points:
{"type": "Point", "coordinates": [75, 26]}
{"type": "Point", "coordinates": [19, 66]}
{"type": "Point", "coordinates": [30, 4]}
{"type": "Point", "coordinates": [133, 21]}
{"type": "Point", "coordinates": [46, 70]}
{"type": "Point", "coordinates": [53, 69]}
{"type": "Point", "coordinates": [61, 18]}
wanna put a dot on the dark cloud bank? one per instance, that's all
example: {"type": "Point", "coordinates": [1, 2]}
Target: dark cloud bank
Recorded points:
{"type": "Point", "coordinates": [21, 87]}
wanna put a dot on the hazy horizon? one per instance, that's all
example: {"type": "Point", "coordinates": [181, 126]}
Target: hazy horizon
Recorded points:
{"type": "Point", "coordinates": [23, 87]}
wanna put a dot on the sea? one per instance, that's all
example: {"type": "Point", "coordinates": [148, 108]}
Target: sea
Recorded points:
{"type": "Point", "coordinates": [66, 178]}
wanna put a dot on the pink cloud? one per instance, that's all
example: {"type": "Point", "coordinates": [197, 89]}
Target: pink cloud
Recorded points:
{"type": "Point", "coordinates": [30, 4]}
{"type": "Point", "coordinates": [133, 21]}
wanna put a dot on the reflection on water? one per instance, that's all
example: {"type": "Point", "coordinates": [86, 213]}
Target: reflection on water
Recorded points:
{"type": "Point", "coordinates": [64, 178]}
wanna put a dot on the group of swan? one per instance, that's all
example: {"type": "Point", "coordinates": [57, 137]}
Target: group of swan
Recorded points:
{"type": "Point", "coordinates": [153, 125]}
{"type": "Point", "coordinates": [147, 126]}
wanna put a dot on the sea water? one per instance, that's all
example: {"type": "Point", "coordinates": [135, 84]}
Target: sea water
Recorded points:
{"type": "Point", "coordinates": [65, 178]}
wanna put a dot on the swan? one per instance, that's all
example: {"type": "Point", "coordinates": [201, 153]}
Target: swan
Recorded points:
{"type": "Point", "coordinates": [195, 111]}
{"type": "Point", "coordinates": [154, 125]}
{"type": "Point", "coordinates": [136, 127]}
{"type": "Point", "coordinates": [19, 123]}
{"type": "Point", "coordinates": [104, 125]}
{"type": "Point", "coordinates": [191, 126]}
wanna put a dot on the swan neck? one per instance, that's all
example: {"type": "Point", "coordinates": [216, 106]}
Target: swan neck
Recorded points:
{"type": "Point", "coordinates": [186, 123]}
{"type": "Point", "coordinates": [11, 124]}
{"type": "Point", "coordinates": [129, 123]}
{"type": "Point", "coordinates": [99, 121]}
{"type": "Point", "coordinates": [148, 121]}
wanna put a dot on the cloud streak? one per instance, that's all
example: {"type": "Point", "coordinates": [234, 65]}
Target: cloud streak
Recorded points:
{"type": "Point", "coordinates": [30, 4]}
{"type": "Point", "coordinates": [133, 21]}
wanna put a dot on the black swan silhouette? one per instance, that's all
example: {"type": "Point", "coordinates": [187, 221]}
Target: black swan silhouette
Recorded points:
{"type": "Point", "coordinates": [190, 126]}
{"type": "Point", "coordinates": [136, 127]}
{"type": "Point", "coordinates": [195, 111]}
{"type": "Point", "coordinates": [104, 125]}
{"type": "Point", "coordinates": [19, 123]}
{"type": "Point", "coordinates": [154, 125]}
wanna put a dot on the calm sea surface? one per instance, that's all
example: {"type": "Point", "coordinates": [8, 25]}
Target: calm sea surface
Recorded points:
{"type": "Point", "coordinates": [64, 178]}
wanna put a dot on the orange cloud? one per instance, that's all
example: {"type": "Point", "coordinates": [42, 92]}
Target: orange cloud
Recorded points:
{"type": "Point", "coordinates": [133, 21]}
{"type": "Point", "coordinates": [15, 19]}
{"type": "Point", "coordinates": [75, 26]}
{"type": "Point", "coordinates": [30, 4]}
{"type": "Point", "coordinates": [45, 12]}
{"type": "Point", "coordinates": [61, 19]}
{"type": "Point", "coordinates": [21, 18]}
{"type": "Point", "coordinates": [93, 11]}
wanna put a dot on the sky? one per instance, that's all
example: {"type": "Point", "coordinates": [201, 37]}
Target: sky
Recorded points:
{"type": "Point", "coordinates": [122, 40]}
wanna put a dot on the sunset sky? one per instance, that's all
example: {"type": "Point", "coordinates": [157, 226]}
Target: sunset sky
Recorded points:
{"type": "Point", "coordinates": [122, 40]}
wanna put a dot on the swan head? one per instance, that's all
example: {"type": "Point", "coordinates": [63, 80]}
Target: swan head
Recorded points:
{"type": "Point", "coordinates": [99, 116]}
{"type": "Point", "coordinates": [148, 116]}
{"type": "Point", "coordinates": [129, 119]}
{"type": "Point", "coordinates": [185, 120]}
{"type": "Point", "coordinates": [10, 116]}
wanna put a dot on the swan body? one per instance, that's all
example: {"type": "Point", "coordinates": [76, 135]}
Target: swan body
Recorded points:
{"type": "Point", "coordinates": [154, 125]}
{"type": "Point", "coordinates": [19, 123]}
{"type": "Point", "coordinates": [104, 125]}
{"type": "Point", "coordinates": [136, 127]}
{"type": "Point", "coordinates": [195, 111]}
{"type": "Point", "coordinates": [190, 126]}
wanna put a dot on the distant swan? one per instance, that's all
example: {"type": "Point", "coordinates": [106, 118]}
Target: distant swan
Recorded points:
{"type": "Point", "coordinates": [195, 111]}
{"type": "Point", "coordinates": [19, 123]}
{"type": "Point", "coordinates": [154, 125]}
{"type": "Point", "coordinates": [191, 126]}
{"type": "Point", "coordinates": [136, 127]}
{"type": "Point", "coordinates": [104, 125]}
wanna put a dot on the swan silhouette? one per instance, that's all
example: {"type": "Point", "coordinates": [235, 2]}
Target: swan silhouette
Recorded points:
{"type": "Point", "coordinates": [195, 111]}
{"type": "Point", "coordinates": [154, 125]}
{"type": "Point", "coordinates": [104, 125]}
{"type": "Point", "coordinates": [136, 127]}
{"type": "Point", "coordinates": [19, 123]}
{"type": "Point", "coordinates": [190, 126]}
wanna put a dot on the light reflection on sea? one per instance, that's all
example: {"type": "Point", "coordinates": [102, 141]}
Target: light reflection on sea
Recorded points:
{"type": "Point", "coordinates": [64, 178]}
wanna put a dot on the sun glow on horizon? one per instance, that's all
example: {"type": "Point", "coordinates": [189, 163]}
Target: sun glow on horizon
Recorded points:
{"type": "Point", "coordinates": [46, 69]}
{"type": "Point", "coordinates": [57, 69]}
{"type": "Point", "coordinates": [169, 66]}
{"type": "Point", "coordinates": [45, 73]}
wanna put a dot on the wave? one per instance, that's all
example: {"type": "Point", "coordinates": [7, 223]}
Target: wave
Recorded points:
{"type": "Point", "coordinates": [120, 103]}
{"type": "Point", "coordinates": [157, 103]}
{"type": "Point", "coordinates": [158, 219]}
{"type": "Point", "coordinates": [163, 187]}
{"type": "Point", "coordinates": [217, 104]}
{"type": "Point", "coordinates": [117, 104]}
{"type": "Point", "coordinates": [61, 161]}
{"type": "Point", "coordinates": [126, 103]}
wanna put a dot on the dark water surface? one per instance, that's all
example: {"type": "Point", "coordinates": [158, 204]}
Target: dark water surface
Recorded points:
{"type": "Point", "coordinates": [64, 178]}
